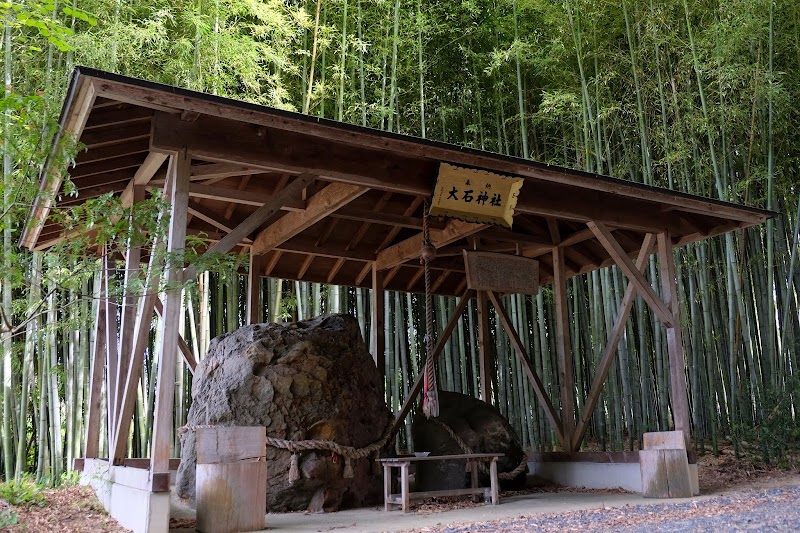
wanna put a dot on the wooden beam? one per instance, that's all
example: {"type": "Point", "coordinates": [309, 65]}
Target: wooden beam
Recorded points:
{"type": "Point", "coordinates": [305, 266]}
{"type": "Point", "coordinates": [255, 146]}
{"type": "Point", "coordinates": [179, 174]}
{"type": "Point", "coordinates": [220, 170]}
{"type": "Point", "coordinates": [377, 335]}
{"type": "Point", "coordinates": [141, 333]}
{"type": "Point", "coordinates": [336, 268]}
{"type": "Point", "coordinates": [437, 350]}
{"type": "Point", "coordinates": [610, 351]}
{"type": "Point", "coordinates": [254, 221]}
{"type": "Point", "coordinates": [130, 301]}
{"type": "Point", "coordinates": [533, 377]}
{"type": "Point", "coordinates": [183, 347]}
{"type": "Point", "coordinates": [276, 256]}
{"type": "Point", "coordinates": [206, 215]}
{"type": "Point", "coordinates": [410, 248]}
{"type": "Point", "coordinates": [565, 364]}
{"type": "Point", "coordinates": [254, 304]}
{"type": "Point", "coordinates": [625, 264]}
{"type": "Point", "coordinates": [143, 175]}
{"type": "Point", "coordinates": [677, 360]}
{"type": "Point", "coordinates": [75, 116]}
{"type": "Point", "coordinates": [96, 375]}
{"type": "Point", "coordinates": [410, 210]}
{"type": "Point", "coordinates": [322, 204]}
{"type": "Point", "coordinates": [304, 245]}
{"type": "Point", "coordinates": [484, 350]}
{"type": "Point", "coordinates": [112, 351]}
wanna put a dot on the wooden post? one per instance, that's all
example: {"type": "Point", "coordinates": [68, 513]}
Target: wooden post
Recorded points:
{"type": "Point", "coordinates": [254, 307]}
{"type": "Point", "coordinates": [377, 334]}
{"type": "Point", "coordinates": [133, 256]}
{"type": "Point", "coordinates": [178, 174]}
{"type": "Point", "coordinates": [484, 351]}
{"type": "Point", "coordinates": [96, 373]}
{"type": "Point", "coordinates": [141, 332]}
{"type": "Point", "coordinates": [680, 402]}
{"type": "Point", "coordinates": [566, 377]}
{"type": "Point", "coordinates": [112, 352]}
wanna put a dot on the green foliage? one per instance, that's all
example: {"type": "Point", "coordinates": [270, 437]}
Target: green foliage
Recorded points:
{"type": "Point", "coordinates": [24, 492]}
{"type": "Point", "coordinates": [8, 517]}
{"type": "Point", "coordinates": [777, 437]}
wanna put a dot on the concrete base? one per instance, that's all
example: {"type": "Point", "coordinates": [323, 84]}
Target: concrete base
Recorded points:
{"type": "Point", "coordinates": [124, 493]}
{"type": "Point", "coordinates": [590, 475]}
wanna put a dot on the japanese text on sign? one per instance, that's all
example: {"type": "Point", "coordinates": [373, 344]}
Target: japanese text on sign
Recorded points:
{"type": "Point", "coordinates": [475, 195]}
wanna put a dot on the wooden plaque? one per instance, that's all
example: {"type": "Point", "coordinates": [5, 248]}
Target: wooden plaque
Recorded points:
{"type": "Point", "coordinates": [475, 195]}
{"type": "Point", "coordinates": [489, 271]}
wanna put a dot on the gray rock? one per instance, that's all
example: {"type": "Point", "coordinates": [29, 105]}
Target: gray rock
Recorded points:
{"type": "Point", "coordinates": [306, 380]}
{"type": "Point", "coordinates": [480, 426]}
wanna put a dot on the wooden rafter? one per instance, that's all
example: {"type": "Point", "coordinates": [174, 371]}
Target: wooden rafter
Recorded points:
{"type": "Point", "coordinates": [325, 202]}
{"type": "Point", "coordinates": [254, 221]}
{"type": "Point", "coordinates": [410, 248]}
{"type": "Point", "coordinates": [206, 215]}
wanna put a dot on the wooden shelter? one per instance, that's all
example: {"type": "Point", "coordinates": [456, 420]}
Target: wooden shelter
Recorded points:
{"type": "Point", "coordinates": [317, 200]}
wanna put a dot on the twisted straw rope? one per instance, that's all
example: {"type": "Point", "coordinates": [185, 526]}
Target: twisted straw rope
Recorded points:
{"type": "Point", "coordinates": [521, 467]}
{"type": "Point", "coordinates": [430, 403]}
{"type": "Point", "coordinates": [296, 446]}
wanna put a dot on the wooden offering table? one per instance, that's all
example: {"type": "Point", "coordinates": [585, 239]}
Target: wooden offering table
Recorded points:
{"type": "Point", "coordinates": [403, 464]}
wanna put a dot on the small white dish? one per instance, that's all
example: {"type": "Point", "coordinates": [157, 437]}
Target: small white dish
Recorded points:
{"type": "Point", "coordinates": [422, 454]}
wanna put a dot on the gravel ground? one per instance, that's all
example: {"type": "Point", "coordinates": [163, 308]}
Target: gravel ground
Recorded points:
{"type": "Point", "coordinates": [774, 509]}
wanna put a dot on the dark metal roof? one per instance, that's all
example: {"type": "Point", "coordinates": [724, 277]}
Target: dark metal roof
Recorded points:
{"type": "Point", "coordinates": [244, 154]}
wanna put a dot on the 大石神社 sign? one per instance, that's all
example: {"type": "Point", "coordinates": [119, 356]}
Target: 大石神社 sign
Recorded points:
{"type": "Point", "coordinates": [475, 195]}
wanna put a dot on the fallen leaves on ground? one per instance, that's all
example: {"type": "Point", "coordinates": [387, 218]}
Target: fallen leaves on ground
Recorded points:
{"type": "Point", "coordinates": [69, 509]}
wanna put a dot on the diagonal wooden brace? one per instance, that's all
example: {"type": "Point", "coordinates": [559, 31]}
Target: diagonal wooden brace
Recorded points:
{"type": "Point", "coordinates": [533, 377]}
{"type": "Point", "coordinates": [633, 274]}
{"type": "Point", "coordinates": [610, 351]}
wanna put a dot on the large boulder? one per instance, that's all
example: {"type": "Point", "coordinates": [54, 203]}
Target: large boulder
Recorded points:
{"type": "Point", "coordinates": [302, 381]}
{"type": "Point", "coordinates": [465, 423]}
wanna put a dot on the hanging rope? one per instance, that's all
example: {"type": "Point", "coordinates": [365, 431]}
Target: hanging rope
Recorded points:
{"type": "Point", "coordinates": [430, 394]}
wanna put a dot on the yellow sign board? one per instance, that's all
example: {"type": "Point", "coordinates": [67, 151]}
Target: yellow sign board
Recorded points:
{"type": "Point", "coordinates": [475, 195]}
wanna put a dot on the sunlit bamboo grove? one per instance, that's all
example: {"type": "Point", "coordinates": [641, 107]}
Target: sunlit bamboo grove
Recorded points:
{"type": "Point", "coordinates": [694, 95]}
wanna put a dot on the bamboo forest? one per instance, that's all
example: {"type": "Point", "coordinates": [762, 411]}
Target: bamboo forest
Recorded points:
{"type": "Point", "coordinates": [697, 96]}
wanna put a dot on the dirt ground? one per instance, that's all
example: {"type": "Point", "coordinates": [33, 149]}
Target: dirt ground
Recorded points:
{"type": "Point", "coordinates": [75, 509]}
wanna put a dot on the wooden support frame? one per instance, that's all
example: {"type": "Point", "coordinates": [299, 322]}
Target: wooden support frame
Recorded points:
{"type": "Point", "coordinates": [610, 351]}
{"type": "Point", "coordinates": [533, 377]}
{"type": "Point", "coordinates": [254, 307]}
{"type": "Point", "coordinates": [566, 373]}
{"type": "Point", "coordinates": [141, 330]}
{"type": "Point", "coordinates": [677, 360]}
{"type": "Point", "coordinates": [179, 174]}
{"type": "Point", "coordinates": [251, 223]}
{"type": "Point", "coordinates": [625, 264]}
{"type": "Point", "coordinates": [377, 334]}
{"type": "Point", "coordinates": [322, 204]}
{"type": "Point", "coordinates": [484, 352]}
{"type": "Point", "coordinates": [112, 351]}
{"type": "Point", "coordinates": [410, 248]}
{"type": "Point", "coordinates": [437, 350]}
{"type": "Point", "coordinates": [96, 374]}
{"type": "Point", "coordinates": [130, 301]}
